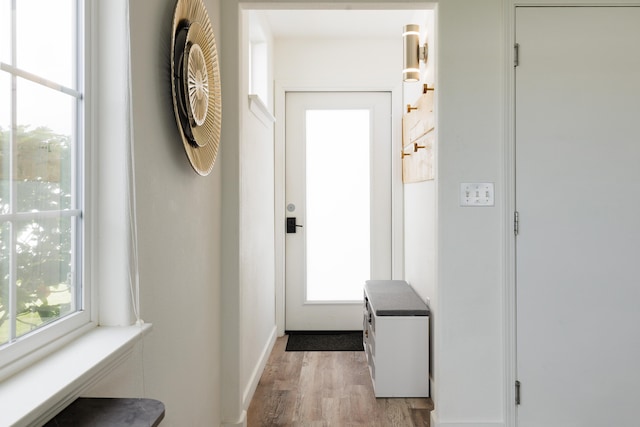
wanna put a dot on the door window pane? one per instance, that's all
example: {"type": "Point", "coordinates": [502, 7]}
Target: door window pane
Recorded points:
{"type": "Point", "coordinates": [337, 224]}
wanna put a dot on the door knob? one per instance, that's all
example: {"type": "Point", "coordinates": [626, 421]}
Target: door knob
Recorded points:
{"type": "Point", "coordinates": [291, 224]}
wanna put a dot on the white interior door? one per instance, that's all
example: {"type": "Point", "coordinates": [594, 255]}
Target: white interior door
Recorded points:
{"type": "Point", "coordinates": [578, 197]}
{"type": "Point", "coordinates": [338, 188]}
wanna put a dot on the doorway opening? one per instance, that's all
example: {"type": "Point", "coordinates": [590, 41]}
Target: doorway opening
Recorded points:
{"type": "Point", "coordinates": [319, 51]}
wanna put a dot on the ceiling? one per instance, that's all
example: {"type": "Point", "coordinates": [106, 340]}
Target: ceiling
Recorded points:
{"type": "Point", "coordinates": [339, 23]}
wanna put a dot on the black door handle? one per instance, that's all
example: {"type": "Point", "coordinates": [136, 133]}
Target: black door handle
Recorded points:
{"type": "Point", "coordinates": [291, 224]}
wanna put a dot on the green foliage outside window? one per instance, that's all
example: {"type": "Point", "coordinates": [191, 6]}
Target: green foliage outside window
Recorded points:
{"type": "Point", "coordinates": [42, 247]}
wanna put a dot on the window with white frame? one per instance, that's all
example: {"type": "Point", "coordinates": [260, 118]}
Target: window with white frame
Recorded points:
{"type": "Point", "coordinates": [258, 70]}
{"type": "Point", "coordinates": [42, 149]}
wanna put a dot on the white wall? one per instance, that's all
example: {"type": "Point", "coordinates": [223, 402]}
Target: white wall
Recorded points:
{"type": "Point", "coordinates": [257, 246]}
{"type": "Point", "coordinates": [248, 265]}
{"type": "Point", "coordinates": [179, 242]}
{"type": "Point", "coordinates": [469, 339]}
{"type": "Point", "coordinates": [335, 63]}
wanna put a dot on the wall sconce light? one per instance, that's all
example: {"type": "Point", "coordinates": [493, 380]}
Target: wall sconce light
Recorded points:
{"type": "Point", "coordinates": [413, 53]}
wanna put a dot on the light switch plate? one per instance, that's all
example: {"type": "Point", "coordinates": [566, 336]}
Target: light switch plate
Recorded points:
{"type": "Point", "coordinates": [476, 194]}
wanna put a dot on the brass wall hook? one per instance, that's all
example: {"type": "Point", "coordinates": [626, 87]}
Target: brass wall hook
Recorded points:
{"type": "Point", "coordinates": [405, 154]}
{"type": "Point", "coordinates": [416, 147]}
{"type": "Point", "coordinates": [426, 88]}
{"type": "Point", "coordinates": [410, 108]}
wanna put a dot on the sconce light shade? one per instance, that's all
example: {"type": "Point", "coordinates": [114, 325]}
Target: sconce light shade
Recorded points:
{"type": "Point", "coordinates": [413, 53]}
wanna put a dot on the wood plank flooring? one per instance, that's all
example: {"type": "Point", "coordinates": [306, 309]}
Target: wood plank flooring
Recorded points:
{"type": "Point", "coordinates": [327, 388]}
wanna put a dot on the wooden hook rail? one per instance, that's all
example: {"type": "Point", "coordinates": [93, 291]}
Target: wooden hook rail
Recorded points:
{"type": "Point", "coordinates": [425, 89]}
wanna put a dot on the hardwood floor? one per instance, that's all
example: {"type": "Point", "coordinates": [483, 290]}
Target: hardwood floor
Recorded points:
{"type": "Point", "coordinates": [327, 388]}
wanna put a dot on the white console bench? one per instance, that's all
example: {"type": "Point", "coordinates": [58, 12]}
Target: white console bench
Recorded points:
{"type": "Point", "coordinates": [396, 339]}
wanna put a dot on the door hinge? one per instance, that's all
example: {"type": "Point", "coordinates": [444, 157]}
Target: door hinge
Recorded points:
{"type": "Point", "coordinates": [516, 223]}
{"type": "Point", "coordinates": [517, 392]}
{"type": "Point", "coordinates": [516, 55]}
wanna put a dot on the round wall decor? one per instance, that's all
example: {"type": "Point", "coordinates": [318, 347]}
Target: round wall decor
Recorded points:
{"type": "Point", "coordinates": [195, 84]}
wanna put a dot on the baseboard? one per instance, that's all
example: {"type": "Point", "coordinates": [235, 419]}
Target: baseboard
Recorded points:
{"type": "Point", "coordinates": [242, 422]}
{"type": "Point", "coordinates": [436, 423]}
{"type": "Point", "coordinates": [258, 369]}
{"type": "Point", "coordinates": [465, 424]}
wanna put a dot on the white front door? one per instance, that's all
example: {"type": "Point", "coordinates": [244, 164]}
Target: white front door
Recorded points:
{"type": "Point", "coordinates": [578, 198]}
{"type": "Point", "coordinates": [338, 189]}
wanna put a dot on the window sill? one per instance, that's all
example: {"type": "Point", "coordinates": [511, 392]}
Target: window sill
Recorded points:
{"type": "Point", "coordinates": [260, 110]}
{"type": "Point", "coordinates": [37, 393]}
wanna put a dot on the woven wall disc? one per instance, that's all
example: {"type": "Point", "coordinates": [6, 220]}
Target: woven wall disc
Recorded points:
{"type": "Point", "coordinates": [195, 84]}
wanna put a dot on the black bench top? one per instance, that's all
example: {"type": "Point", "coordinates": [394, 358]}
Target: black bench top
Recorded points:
{"type": "Point", "coordinates": [394, 298]}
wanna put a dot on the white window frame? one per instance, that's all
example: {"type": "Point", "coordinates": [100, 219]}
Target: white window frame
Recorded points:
{"type": "Point", "coordinates": [25, 350]}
